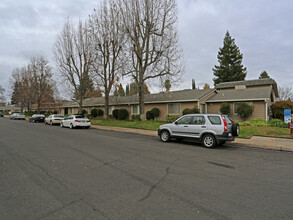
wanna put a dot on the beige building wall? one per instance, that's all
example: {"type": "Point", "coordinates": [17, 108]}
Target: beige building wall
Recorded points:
{"type": "Point", "coordinates": [258, 112]}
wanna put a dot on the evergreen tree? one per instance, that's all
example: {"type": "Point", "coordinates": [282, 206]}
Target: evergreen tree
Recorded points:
{"type": "Point", "coordinates": [121, 91]}
{"type": "Point", "coordinates": [193, 84]}
{"type": "Point", "coordinates": [167, 85]}
{"type": "Point", "coordinates": [127, 90]}
{"type": "Point", "coordinates": [230, 60]}
{"type": "Point", "coordinates": [264, 75]}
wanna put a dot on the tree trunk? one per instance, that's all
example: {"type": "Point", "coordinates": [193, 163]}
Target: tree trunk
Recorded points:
{"type": "Point", "coordinates": [141, 99]}
{"type": "Point", "coordinates": [80, 106]}
{"type": "Point", "coordinates": [107, 105]}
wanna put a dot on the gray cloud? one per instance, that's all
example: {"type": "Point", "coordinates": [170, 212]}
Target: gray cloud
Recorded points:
{"type": "Point", "coordinates": [262, 30]}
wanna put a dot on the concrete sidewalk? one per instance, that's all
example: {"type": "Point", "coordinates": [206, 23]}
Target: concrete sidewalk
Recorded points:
{"type": "Point", "coordinates": [281, 144]}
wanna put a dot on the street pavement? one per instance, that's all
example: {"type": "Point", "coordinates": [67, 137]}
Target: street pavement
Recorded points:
{"type": "Point", "coordinates": [48, 172]}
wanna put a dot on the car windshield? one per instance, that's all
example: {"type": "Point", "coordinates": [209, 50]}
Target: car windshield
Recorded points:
{"type": "Point", "coordinates": [18, 113]}
{"type": "Point", "coordinates": [58, 116]}
{"type": "Point", "coordinates": [38, 115]}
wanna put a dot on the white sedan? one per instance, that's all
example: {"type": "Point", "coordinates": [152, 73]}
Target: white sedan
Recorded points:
{"type": "Point", "coordinates": [73, 121]}
{"type": "Point", "coordinates": [54, 119]}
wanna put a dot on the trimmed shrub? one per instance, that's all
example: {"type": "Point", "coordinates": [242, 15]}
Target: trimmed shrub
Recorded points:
{"type": "Point", "coordinates": [84, 112]}
{"type": "Point", "coordinates": [171, 118]}
{"type": "Point", "coordinates": [100, 113]}
{"type": "Point", "coordinates": [279, 107]}
{"type": "Point", "coordinates": [195, 110]}
{"type": "Point", "coordinates": [135, 117]}
{"type": "Point", "coordinates": [55, 112]}
{"type": "Point", "coordinates": [244, 110]}
{"type": "Point", "coordinates": [115, 113]}
{"type": "Point", "coordinates": [155, 112]}
{"type": "Point", "coordinates": [94, 113]}
{"type": "Point", "coordinates": [277, 123]}
{"type": "Point", "coordinates": [259, 122]}
{"type": "Point", "coordinates": [225, 109]}
{"type": "Point", "coordinates": [122, 114]}
{"type": "Point", "coordinates": [186, 111]}
{"type": "Point", "coordinates": [149, 115]}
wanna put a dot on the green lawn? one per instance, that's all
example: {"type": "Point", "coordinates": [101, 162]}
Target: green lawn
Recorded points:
{"type": "Point", "coordinates": [245, 131]}
{"type": "Point", "coordinates": [249, 131]}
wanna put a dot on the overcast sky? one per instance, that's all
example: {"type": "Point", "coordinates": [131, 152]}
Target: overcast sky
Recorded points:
{"type": "Point", "coordinates": [262, 29]}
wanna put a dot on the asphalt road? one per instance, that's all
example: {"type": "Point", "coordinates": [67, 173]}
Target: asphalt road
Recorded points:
{"type": "Point", "coordinates": [48, 172]}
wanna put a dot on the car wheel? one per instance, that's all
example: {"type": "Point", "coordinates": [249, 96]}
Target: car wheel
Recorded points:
{"type": "Point", "coordinates": [71, 126]}
{"type": "Point", "coordinates": [61, 125]}
{"type": "Point", "coordinates": [235, 129]}
{"type": "Point", "coordinates": [165, 136]}
{"type": "Point", "coordinates": [209, 141]}
{"type": "Point", "coordinates": [51, 123]}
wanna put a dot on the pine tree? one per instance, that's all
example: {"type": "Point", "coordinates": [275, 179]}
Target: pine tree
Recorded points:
{"type": "Point", "coordinates": [121, 91]}
{"type": "Point", "coordinates": [230, 60]}
{"type": "Point", "coordinates": [127, 90]}
{"type": "Point", "coordinates": [264, 75]}
{"type": "Point", "coordinates": [193, 84]}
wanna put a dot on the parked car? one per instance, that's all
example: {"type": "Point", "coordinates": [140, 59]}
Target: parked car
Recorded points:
{"type": "Point", "coordinates": [208, 129]}
{"type": "Point", "coordinates": [18, 116]}
{"type": "Point", "coordinates": [73, 121]}
{"type": "Point", "coordinates": [37, 118]}
{"type": "Point", "coordinates": [54, 119]}
{"type": "Point", "coordinates": [1, 114]}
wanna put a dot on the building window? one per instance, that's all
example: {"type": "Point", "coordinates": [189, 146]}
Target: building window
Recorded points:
{"type": "Point", "coordinates": [135, 109]}
{"type": "Point", "coordinates": [236, 104]}
{"type": "Point", "coordinates": [174, 108]}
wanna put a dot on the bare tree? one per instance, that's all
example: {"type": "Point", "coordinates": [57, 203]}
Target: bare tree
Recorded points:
{"type": "Point", "coordinates": [285, 93]}
{"type": "Point", "coordinates": [108, 41]}
{"type": "Point", "coordinates": [73, 55]}
{"type": "Point", "coordinates": [43, 84]}
{"type": "Point", "coordinates": [151, 28]}
{"type": "Point", "coordinates": [2, 91]}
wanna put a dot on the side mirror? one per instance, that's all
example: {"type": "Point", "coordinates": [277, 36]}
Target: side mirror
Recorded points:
{"type": "Point", "coordinates": [176, 122]}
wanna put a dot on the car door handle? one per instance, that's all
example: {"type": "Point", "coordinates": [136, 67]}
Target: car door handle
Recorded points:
{"type": "Point", "coordinates": [185, 126]}
{"type": "Point", "coordinates": [203, 126]}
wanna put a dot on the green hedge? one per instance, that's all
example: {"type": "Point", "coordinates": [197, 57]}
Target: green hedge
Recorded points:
{"type": "Point", "coordinates": [259, 122]}
{"type": "Point", "coordinates": [171, 118]}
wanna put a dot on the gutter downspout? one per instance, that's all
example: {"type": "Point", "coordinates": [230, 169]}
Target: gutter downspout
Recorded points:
{"type": "Point", "coordinates": [266, 101]}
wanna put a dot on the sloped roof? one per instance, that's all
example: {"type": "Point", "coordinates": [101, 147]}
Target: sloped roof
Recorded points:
{"type": "Point", "coordinates": [248, 83]}
{"type": "Point", "coordinates": [261, 93]}
{"type": "Point", "coordinates": [175, 96]}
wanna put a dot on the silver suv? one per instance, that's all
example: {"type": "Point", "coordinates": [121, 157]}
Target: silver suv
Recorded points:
{"type": "Point", "coordinates": [209, 129]}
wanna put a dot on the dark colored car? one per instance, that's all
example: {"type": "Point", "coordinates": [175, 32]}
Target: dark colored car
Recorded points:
{"type": "Point", "coordinates": [37, 118]}
{"type": "Point", "coordinates": [1, 114]}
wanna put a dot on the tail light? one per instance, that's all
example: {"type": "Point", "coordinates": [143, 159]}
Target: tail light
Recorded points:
{"type": "Point", "coordinates": [77, 121]}
{"type": "Point", "coordinates": [88, 121]}
{"type": "Point", "coordinates": [225, 124]}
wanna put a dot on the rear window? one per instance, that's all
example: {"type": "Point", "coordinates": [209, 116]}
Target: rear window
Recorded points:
{"type": "Point", "coordinates": [58, 116]}
{"type": "Point", "coordinates": [215, 120]}
{"type": "Point", "coordinates": [79, 116]}
{"type": "Point", "coordinates": [227, 119]}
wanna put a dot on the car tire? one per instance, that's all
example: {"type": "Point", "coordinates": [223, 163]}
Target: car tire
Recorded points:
{"type": "Point", "coordinates": [51, 123]}
{"type": "Point", "coordinates": [165, 136]}
{"type": "Point", "coordinates": [87, 127]}
{"type": "Point", "coordinates": [209, 141]}
{"type": "Point", "coordinates": [71, 126]}
{"type": "Point", "coordinates": [235, 129]}
{"type": "Point", "coordinates": [61, 125]}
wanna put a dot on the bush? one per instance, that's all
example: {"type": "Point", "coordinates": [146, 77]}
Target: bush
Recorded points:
{"type": "Point", "coordinates": [277, 123]}
{"type": "Point", "coordinates": [279, 107]}
{"type": "Point", "coordinates": [193, 110]}
{"type": "Point", "coordinates": [149, 115]}
{"type": "Point", "coordinates": [122, 114]}
{"type": "Point", "coordinates": [100, 113]}
{"type": "Point", "coordinates": [84, 112]}
{"type": "Point", "coordinates": [259, 122]}
{"type": "Point", "coordinates": [244, 110]}
{"type": "Point", "coordinates": [135, 117]}
{"type": "Point", "coordinates": [115, 113]}
{"type": "Point", "coordinates": [187, 111]}
{"type": "Point", "coordinates": [55, 112]}
{"type": "Point", "coordinates": [94, 113]}
{"type": "Point", "coordinates": [155, 112]}
{"type": "Point", "coordinates": [171, 118]}
{"type": "Point", "coordinates": [225, 109]}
